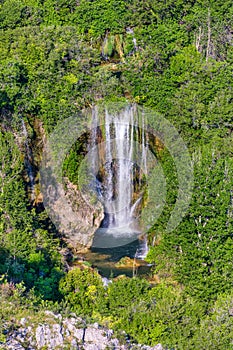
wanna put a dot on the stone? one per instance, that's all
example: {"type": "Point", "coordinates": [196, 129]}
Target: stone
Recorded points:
{"type": "Point", "coordinates": [49, 336]}
{"type": "Point", "coordinates": [95, 336]}
{"type": "Point", "coordinates": [73, 344]}
{"type": "Point", "coordinates": [13, 344]}
{"type": "Point", "coordinates": [157, 347]}
{"type": "Point", "coordinates": [57, 335]}
{"type": "Point", "coordinates": [69, 332]}
{"type": "Point", "coordinates": [23, 321]}
{"type": "Point", "coordinates": [53, 315]}
{"type": "Point", "coordinates": [72, 214]}
{"type": "Point", "coordinates": [40, 336]}
{"type": "Point", "coordinates": [93, 347]}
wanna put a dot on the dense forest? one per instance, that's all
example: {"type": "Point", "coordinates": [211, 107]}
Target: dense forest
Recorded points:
{"type": "Point", "coordinates": [175, 57]}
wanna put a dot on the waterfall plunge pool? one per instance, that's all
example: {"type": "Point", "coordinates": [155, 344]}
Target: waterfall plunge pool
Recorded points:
{"type": "Point", "coordinates": [118, 163]}
{"type": "Point", "coordinates": [125, 258]}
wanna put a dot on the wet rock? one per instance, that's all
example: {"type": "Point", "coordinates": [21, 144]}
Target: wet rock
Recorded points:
{"type": "Point", "coordinates": [128, 262]}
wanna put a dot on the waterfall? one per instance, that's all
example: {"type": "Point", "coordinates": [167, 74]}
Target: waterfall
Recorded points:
{"type": "Point", "coordinates": [142, 251]}
{"type": "Point", "coordinates": [28, 161]}
{"type": "Point", "coordinates": [134, 206]}
{"type": "Point", "coordinates": [119, 161]}
{"type": "Point", "coordinates": [124, 149]}
{"type": "Point", "coordinates": [109, 172]}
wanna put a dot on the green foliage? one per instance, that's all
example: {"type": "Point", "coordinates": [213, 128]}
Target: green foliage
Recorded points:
{"type": "Point", "coordinates": [165, 316]}
{"type": "Point", "coordinates": [124, 293]}
{"type": "Point", "coordinates": [95, 18]}
{"type": "Point", "coordinates": [60, 57]}
{"type": "Point", "coordinates": [109, 46]}
{"type": "Point", "coordinates": [200, 246]}
{"type": "Point", "coordinates": [27, 251]}
{"type": "Point", "coordinates": [219, 323]}
{"type": "Point", "coordinates": [83, 290]}
{"type": "Point", "coordinates": [74, 159]}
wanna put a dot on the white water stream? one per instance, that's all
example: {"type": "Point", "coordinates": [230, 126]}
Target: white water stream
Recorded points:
{"type": "Point", "coordinates": [120, 155]}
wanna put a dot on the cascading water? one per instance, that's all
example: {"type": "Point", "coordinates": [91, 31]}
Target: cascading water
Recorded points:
{"type": "Point", "coordinates": [119, 184]}
{"type": "Point", "coordinates": [109, 173]}
{"type": "Point", "coordinates": [118, 164]}
{"type": "Point", "coordinates": [142, 250]}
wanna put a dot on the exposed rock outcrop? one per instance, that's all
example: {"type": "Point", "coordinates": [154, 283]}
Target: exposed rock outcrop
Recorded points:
{"type": "Point", "coordinates": [72, 213]}
{"type": "Point", "coordinates": [74, 210]}
{"type": "Point", "coordinates": [79, 219]}
{"type": "Point", "coordinates": [65, 333]}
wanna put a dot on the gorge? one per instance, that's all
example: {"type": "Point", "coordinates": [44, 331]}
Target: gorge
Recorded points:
{"type": "Point", "coordinates": [103, 202]}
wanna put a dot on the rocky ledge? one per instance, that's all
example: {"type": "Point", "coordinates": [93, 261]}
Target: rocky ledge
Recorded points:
{"type": "Point", "coordinates": [58, 332]}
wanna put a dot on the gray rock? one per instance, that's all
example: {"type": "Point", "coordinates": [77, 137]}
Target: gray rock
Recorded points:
{"type": "Point", "coordinates": [13, 344]}
{"type": "Point", "coordinates": [40, 336]}
{"type": "Point", "coordinates": [96, 336]}
{"type": "Point", "coordinates": [69, 325]}
{"type": "Point", "coordinates": [73, 344]}
{"type": "Point", "coordinates": [93, 347]}
{"type": "Point", "coordinates": [157, 347]}
{"type": "Point", "coordinates": [53, 315]}
{"type": "Point", "coordinates": [68, 332]}
{"type": "Point", "coordinates": [23, 321]}
{"type": "Point", "coordinates": [49, 336]}
{"type": "Point", "coordinates": [72, 212]}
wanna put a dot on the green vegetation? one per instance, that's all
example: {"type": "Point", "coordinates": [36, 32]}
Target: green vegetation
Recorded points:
{"type": "Point", "coordinates": [60, 57]}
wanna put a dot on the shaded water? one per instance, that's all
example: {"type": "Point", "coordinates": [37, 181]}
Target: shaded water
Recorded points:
{"type": "Point", "coordinates": [105, 259]}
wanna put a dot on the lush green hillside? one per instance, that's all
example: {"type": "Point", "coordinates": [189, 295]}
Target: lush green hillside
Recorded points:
{"type": "Point", "coordinates": [176, 57]}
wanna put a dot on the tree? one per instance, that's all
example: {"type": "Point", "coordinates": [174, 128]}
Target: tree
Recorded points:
{"type": "Point", "coordinates": [83, 290]}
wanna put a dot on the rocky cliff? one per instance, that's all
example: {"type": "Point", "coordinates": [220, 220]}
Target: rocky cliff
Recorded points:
{"type": "Point", "coordinates": [58, 332]}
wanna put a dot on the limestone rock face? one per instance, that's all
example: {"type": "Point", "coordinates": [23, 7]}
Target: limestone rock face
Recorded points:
{"type": "Point", "coordinates": [65, 333]}
{"type": "Point", "coordinates": [49, 336]}
{"type": "Point", "coordinates": [86, 218]}
{"type": "Point", "coordinates": [73, 214]}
